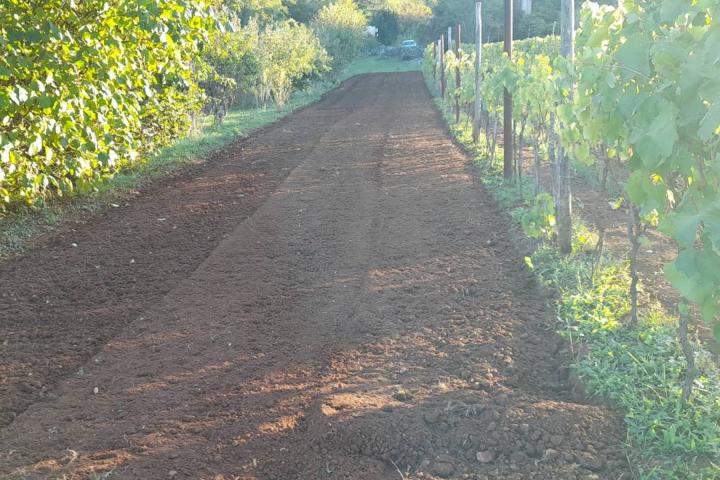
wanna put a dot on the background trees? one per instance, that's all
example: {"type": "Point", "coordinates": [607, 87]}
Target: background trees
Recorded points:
{"type": "Point", "coordinates": [388, 24]}
{"type": "Point", "coordinates": [340, 26]}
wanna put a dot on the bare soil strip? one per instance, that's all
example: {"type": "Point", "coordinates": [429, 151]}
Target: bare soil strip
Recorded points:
{"type": "Point", "coordinates": [333, 298]}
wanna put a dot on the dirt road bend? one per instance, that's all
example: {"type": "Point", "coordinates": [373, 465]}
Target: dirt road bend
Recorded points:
{"type": "Point", "coordinates": [332, 298]}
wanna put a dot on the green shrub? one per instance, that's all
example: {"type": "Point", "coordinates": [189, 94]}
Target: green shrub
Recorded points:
{"type": "Point", "coordinates": [340, 27]}
{"type": "Point", "coordinates": [85, 90]}
{"type": "Point", "coordinates": [538, 221]}
{"type": "Point", "coordinates": [287, 53]}
{"type": "Point", "coordinates": [231, 67]}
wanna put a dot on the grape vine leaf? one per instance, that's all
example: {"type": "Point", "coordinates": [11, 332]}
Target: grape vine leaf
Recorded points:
{"type": "Point", "coordinates": [634, 56]}
{"type": "Point", "coordinates": [710, 122]}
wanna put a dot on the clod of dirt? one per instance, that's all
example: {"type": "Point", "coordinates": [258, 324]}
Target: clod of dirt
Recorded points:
{"type": "Point", "coordinates": [590, 461]}
{"type": "Point", "coordinates": [485, 456]}
{"type": "Point", "coordinates": [552, 454]}
{"type": "Point", "coordinates": [444, 466]}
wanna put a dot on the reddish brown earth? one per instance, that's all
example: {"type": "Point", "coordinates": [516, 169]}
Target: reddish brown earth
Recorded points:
{"type": "Point", "coordinates": [334, 297]}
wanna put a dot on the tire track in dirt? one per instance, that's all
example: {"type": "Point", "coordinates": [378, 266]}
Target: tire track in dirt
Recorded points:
{"type": "Point", "coordinates": [368, 317]}
{"type": "Point", "coordinates": [60, 303]}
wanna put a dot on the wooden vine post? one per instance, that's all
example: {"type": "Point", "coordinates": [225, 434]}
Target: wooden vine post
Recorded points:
{"type": "Point", "coordinates": [442, 66]}
{"type": "Point", "coordinates": [457, 74]}
{"type": "Point", "coordinates": [507, 98]}
{"type": "Point", "coordinates": [435, 50]}
{"type": "Point", "coordinates": [563, 195]}
{"type": "Point", "coordinates": [477, 111]}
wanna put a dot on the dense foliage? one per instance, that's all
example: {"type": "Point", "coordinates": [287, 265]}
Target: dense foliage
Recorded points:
{"type": "Point", "coordinates": [287, 52]}
{"type": "Point", "coordinates": [388, 24]}
{"type": "Point", "coordinates": [649, 95]}
{"type": "Point", "coordinates": [645, 94]}
{"type": "Point", "coordinates": [89, 87]}
{"type": "Point", "coordinates": [340, 27]}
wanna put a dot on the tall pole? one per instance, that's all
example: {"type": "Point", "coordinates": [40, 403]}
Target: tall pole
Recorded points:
{"type": "Point", "coordinates": [567, 30]}
{"type": "Point", "coordinates": [449, 39]}
{"type": "Point", "coordinates": [442, 65]}
{"type": "Point", "coordinates": [478, 75]}
{"type": "Point", "coordinates": [457, 74]}
{"type": "Point", "coordinates": [563, 194]}
{"type": "Point", "coordinates": [507, 106]}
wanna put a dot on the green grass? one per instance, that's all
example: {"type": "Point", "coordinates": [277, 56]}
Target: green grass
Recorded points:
{"type": "Point", "coordinates": [380, 65]}
{"type": "Point", "coordinates": [17, 227]}
{"type": "Point", "coordinates": [640, 369]}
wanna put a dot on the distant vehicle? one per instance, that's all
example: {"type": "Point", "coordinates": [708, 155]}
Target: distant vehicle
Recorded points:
{"type": "Point", "coordinates": [408, 49]}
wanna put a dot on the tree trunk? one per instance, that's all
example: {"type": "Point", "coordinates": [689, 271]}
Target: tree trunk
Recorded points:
{"type": "Point", "coordinates": [634, 232]}
{"type": "Point", "coordinates": [563, 202]}
{"type": "Point", "coordinates": [536, 164]}
{"type": "Point", "coordinates": [689, 353]}
{"type": "Point", "coordinates": [598, 255]}
{"type": "Point", "coordinates": [494, 138]}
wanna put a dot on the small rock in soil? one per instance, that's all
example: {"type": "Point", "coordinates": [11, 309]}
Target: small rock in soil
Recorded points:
{"type": "Point", "coordinates": [518, 457]}
{"type": "Point", "coordinates": [432, 417]}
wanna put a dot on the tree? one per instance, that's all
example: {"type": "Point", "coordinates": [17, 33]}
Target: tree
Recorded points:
{"type": "Point", "coordinates": [289, 52]}
{"type": "Point", "coordinates": [340, 27]}
{"type": "Point", "coordinates": [388, 25]}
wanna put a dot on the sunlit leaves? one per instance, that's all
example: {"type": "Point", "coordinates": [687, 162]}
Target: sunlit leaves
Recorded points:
{"type": "Point", "coordinates": [665, 63]}
{"type": "Point", "coordinates": [77, 82]}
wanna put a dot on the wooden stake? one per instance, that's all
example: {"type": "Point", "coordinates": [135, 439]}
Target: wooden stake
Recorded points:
{"type": "Point", "coordinates": [457, 74]}
{"type": "Point", "coordinates": [563, 194]}
{"type": "Point", "coordinates": [507, 97]}
{"type": "Point", "coordinates": [435, 49]}
{"type": "Point", "coordinates": [477, 111]}
{"type": "Point", "coordinates": [442, 66]}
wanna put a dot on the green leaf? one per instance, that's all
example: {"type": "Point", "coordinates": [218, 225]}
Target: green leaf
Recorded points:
{"type": "Point", "coordinates": [671, 9]}
{"type": "Point", "coordinates": [683, 228]}
{"type": "Point", "coordinates": [655, 141]}
{"type": "Point", "coordinates": [35, 146]}
{"type": "Point", "coordinates": [18, 95]}
{"type": "Point", "coordinates": [682, 282]}
{"type": "Point", "coordinates": [710, 122]}
{"type": "Point", "coordinates": [634, 56]}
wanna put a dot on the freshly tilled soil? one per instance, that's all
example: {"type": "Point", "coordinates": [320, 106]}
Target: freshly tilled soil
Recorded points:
{"type": "Point", "coordinates": [334, 297]}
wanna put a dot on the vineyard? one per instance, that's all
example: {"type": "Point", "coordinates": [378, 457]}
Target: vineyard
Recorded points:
{"type": "Point", "coordinates": [637, 113]}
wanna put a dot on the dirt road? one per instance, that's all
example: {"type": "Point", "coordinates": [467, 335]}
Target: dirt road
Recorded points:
{"type": "Point", "coordinates": [333, 298]}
